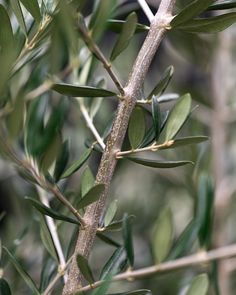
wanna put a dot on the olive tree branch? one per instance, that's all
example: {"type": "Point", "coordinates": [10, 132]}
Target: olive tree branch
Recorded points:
{"type": "Point", "coordinates": [195, 259]}
{"type": "Point", "coordinates": [131, 93]}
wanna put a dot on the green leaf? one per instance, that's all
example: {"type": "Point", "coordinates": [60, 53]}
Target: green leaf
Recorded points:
{"type": "Point", "coordinates": [136, 129]}
{"type": "Point", "coordinates": [15, 5]}
{"type": "Point", "coordinates": [81, 91]}
{"type": "Point", "coordinates": [107, 240]}
{"type": "Point", "coordinates": [4, 287]}
{"type": "Point", "coordinates": [117, 26]}
{"type": "Point", "coordinates": [136, 292]}
{"type": "Point", "coordinates": [209, 25]}
{"type": "Point", "coordinates": [157, 163]}
{"type": "Point", "coordinates": [50, 212]}
{"type": "Point", "coordinates": [156, 116]}
{"type": "Point", "coordinates": [185, 241]}
{"type": "Point", "coordinates": [92, 195]}
{"type": "Point", "coordinates": [61, 161]}
{"type": "Point", "coordinates": [25, 276]}
{"type": "Point", "coordinates": [162, 235]}
{"type": "Point", "coordinates": [111, 211]}
{"type": "Point", "coordinates": [33, 7]}
{"type": "Point", "coordinates": [163, 83]}
{"type": "Point", "coordinates": [168, 97]}
{"type": "Point", "coordinates": [113, 265]}
{"type": "Point", "coordinates": [222, 5]}
{"type": "Point", "coordinates": [84, 268]}
{"type": "Point", "coordinates": [125, 36]}
{"type": "Point", "coordinates": [46, 237]}
{"type": "Point", "coordinates": [76, 165]}
{"type": "Point", "coordinates": [184, 141]}
{"type": "Point", "coordinates": [177, 117]}
{"type": "Point", "coordinates": [128, 240]}
{"type": "Point", "coordinates": [199, 285]}
{"type": "Point", "coordinates": [205, 210]}
{"type": "Point", "coordinates": [87, 181]}
{"type": "Point", "coordinates": [190, 11]}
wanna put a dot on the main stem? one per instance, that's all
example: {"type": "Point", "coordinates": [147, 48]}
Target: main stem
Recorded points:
{"type": "Point", "coordinates": [107, 166]}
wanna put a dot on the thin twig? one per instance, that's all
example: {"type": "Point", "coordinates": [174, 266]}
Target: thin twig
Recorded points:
{"type": "Point", "coordinates": [59, 274]}
{"type": "Point", "coordinates": [91, 125]}
{"type": "Point", "coordinates": [199, 258]}
{"type": "Point", "coordinates": [53, 231]}
{"type": "Point", "coordinates": [93, 47]}
{"type": "Point", "coordinates": [146, 9]}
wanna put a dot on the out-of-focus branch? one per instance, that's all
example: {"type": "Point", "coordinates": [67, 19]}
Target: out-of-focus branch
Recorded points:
{"type": "Point", "coordinates": [146, 9]}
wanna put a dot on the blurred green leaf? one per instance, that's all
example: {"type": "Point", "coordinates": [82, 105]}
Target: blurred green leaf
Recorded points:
{"type": "Point", "coordinates": [157, 163]}
{"type": "Point", "coordinates": [92, 196]}
{"type": "Point", "coordinates": [76, 165]}
{"type": "Point", "coordinates": [15, 5]}
{"type": "Point", "coordinates": [136, 292]}
{"type": "Point", "coordinates": [87, 181]}
{"type": "Point", "coordinates": [61, 161]}
{"type": "Point", "coordinates": [33, 7]}
{"type": "Point", "coordinates": [25, 276]}
{"type": "Point", "coordinates": [111, 211]}
{"type": "Point", "coordinates": [213, 24]}
{"type": "Point", "coordinates": [205, 210]}
{"type": "Point", "coordinates": [177, 117]}
{"type": "Point", "coordinates": [136, 129]}
{"type": "Point", "coordinates": [117, 26]}
{"type": "Point", "coordinates": [81, 91]}
{"type": "Point", "coordinates": [107, 240]}
{"type": "Point", "coordinates": [199, 285]}
{"type": "Point", "coordinates": [168, 97]}
{"type": "Point", "coordinates": [163, 83]}
{"type": "Point", "coordinates": [104, 287]}
{"type": "Point", "coordinates": [102, 11]}
{"type": "Point", "coordinates": [156, 116]}
{"type": "Point", "coordinates": [46, 237]}
{"type": "Point", "coordinates": [125, 36]}
{"type": "Point", "coordinates": [84, 268]}
{"type": "Point", "coordinates": [185, 241]}
{"type": "Point", "coordinates": [185, 141]}
{"type": "Point", "coordinates": [112, 266]}
{"type": "Point", "coordinates": [4, 287]}
{"type": "Point", "coordinates": [222, 5]}
{"type": "Point", "coordinates": [190, 11]}
{"type": "Point", "coordinates": [49, 269]}
{"type": "Point", "coordinates": [162, 235]}
{"type": "Point", "coordinates": [114, 226]}
{"type": "Point", "coordinates": [50, 212]}
{"type": "Point", "coordinates": [128, 239]}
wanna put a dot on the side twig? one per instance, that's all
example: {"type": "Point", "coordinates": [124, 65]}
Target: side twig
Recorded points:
{"type": "Point", "coordinates": [146, 9]}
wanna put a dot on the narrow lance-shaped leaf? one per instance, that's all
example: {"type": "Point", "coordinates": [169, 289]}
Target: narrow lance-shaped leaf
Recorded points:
{"type": "Point", "coordinates": [25, 276]}
{"type": "Point", "coordinates": [199, 285]}
{"type": "Point", "coordinates": [184, 141]}
{"type": "Point", "coordinates": [112, 266]}
{"type": "Point", "coordinates": [61, 161]}
{"type": "Point", "coordinates": [163, 83]}
{"type": "Point", "coordinates": [209, 25]}
{"type": "Point", "coordinates": [162, 235]}
{"type": "Point", "coordinates": [177, 117]}
{"type": "Point", "coordinates": [156, 116]}
{"type": "Point", "coordinates": [83, 265]}
{"type": "Point", "coordinates": [81, 91]}
{"type": "Point", "coordinates": [15, 4]}
{"type": "Point", "coordinates": [50, 212]}
{"type": "Point", "coordinates": [136, 292]}
{"type": "Point", "coordinates": [111, 211]}
{"type": "Point", "coordinates": [223, 5]}
{"type": "Point", "coordinates": [4, 287]}
{"type": "Point", "coordinates": [33, 7]}
{"type": "Point", "coordinates": [87, 181]}
{"type": "Point", "coordinates": [107, 240]}
{"type": "Point", "coordinates": [136, 129]}
{"type": "Point", "coordinates": [116, 26]}
{"type": "Point", "coordinates": [128, 240]}
{"type": "Point", "coordinates": [76, 165]}
{"type": "Point", "coordinates": [92, 196]}
{"type": "Point", "coordinates": [125, 36]}
{"type": "Point", "coordinates": [190, 11]}
{"type": "Point", "coordinates": [157, 163]}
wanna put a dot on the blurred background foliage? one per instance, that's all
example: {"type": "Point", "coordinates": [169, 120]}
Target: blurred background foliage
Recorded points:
{"type": "Point", "coordinates": [203, 66]}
